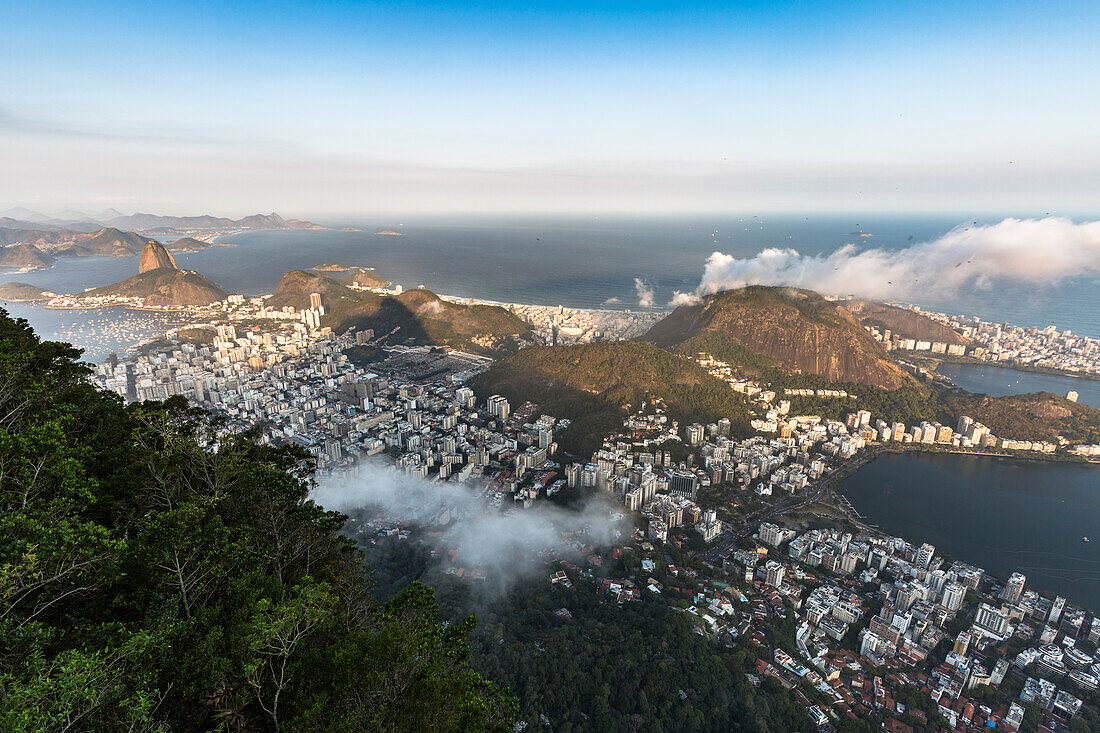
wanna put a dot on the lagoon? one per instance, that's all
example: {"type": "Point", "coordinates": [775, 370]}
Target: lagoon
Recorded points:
{"type": "Point", "coordinates": [1001, 514]}
{"type": "Point", "coordinates": [999, 381]}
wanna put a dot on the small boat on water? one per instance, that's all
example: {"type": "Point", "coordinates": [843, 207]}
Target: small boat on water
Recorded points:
{"type": "Point", "coordinates": [1085, 539]}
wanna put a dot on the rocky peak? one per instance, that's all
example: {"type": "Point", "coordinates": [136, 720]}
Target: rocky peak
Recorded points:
{"type": "Point", "coordinates": [155, 257]}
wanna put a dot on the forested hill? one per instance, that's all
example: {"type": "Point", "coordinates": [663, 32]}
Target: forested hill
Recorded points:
{"type": "Point", "coordinates": [24, 255]}
{"type": "Point", "coordinates": [590, 383]}
{"type": "Point", "coordinates": [159, 573]}
{"type": "Point", "coordinates": [795, 330]}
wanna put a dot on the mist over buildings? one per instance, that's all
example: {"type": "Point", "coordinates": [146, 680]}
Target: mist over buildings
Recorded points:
{"type": "Point", "coordinates": [510, 544]}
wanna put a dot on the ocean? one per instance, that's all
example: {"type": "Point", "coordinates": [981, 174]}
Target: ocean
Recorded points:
{"type": "Point", "coordinates": [581, 262]}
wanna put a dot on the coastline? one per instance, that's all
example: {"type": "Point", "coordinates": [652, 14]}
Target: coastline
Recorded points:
{"type": "Point", "coordinates": [1017, 456]}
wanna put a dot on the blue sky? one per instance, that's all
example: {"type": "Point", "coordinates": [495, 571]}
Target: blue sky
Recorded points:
{"type": "Point", "coordinates": [360, 109]}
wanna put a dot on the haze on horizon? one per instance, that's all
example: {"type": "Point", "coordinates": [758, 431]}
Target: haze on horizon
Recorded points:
{"type": "Point", "coordinates": [342, 110]}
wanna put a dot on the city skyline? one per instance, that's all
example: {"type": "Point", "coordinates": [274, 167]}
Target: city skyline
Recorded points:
{"type": "Point", "coordinates": [336, 110]}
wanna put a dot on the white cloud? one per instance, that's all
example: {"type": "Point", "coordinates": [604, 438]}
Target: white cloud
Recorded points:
{"type": "Point", "coordinates": [509, 544]}
{"type": "Point", "coordinates": [681, 298]}
{"type": "Point", "coordinates": [1031, 250]}
{"type": "Point", "coordinates": [646, 296]}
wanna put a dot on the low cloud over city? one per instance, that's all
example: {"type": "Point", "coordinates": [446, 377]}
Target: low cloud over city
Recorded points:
{"type": "Point", "coordinates": [508, 544]}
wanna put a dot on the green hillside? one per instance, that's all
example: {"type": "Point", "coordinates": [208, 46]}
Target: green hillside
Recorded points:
{"type": "Point", "coordinates": [24, 255]}
{"type": "Point", "coordinates": [166, 286]}
{"type": "Point", "coordinates": [23, 291]}
{"type": "Point", "coordinates": [1037, 416]}
{"type": "Point", "coordinates": [591, 383]}
{"type": "Point", "coordinates": [187, 244]}
{"type": "Point", "coordinates": [364, 278]}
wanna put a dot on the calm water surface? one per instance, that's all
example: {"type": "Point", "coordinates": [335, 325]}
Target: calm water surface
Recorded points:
{"type": "Point", "coordinates": [1000, 381]}
{"type": "Point", "coordinates": [99, 331]}
{"type": "Point", "coordinates": [1001, 514]}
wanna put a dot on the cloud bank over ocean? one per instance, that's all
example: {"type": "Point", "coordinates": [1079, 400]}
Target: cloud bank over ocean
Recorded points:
{"type": "Point", "coordinates": [1039, 251]}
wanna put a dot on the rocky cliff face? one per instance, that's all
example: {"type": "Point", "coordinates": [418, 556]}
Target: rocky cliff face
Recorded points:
{"type": "Point", "coordinates": [160, 282]}
{"type": "Point", "coordinates": [155, 257]}
{"type": "Point", "coordinates": [903, 322]}
{"type": "Point", "coordinates": [795, 330]}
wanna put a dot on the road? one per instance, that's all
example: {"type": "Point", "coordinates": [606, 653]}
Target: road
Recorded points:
{"type": "Point", "coordinates": [731, 537]}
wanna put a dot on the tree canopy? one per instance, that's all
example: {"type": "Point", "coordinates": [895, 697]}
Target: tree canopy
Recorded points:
{"type": "Point", "coordinates": [160, 572]}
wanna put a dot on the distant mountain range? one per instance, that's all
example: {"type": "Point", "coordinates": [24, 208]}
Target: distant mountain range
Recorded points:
{"type": "Point", "coordinates": [151, 222]}
{"type": "Point", "coordinates": [117, 236]}
{"type": "Point", "coordinates": [77, 221]}
{"type": "Point", "coordinates": [34, 248]}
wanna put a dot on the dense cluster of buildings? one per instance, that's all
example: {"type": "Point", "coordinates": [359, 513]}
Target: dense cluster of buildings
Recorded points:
{"type": "Point", "coordinates": [862, 429]}
{"type": "Point", "coordinates": [881, 627]}
{"type": "Point", "coordinates": [878, 602]}
{"type": "Point", "coordinates": [294, 382]}
{"type": "Point", "coordinates": [1048, 347]}
{"type": "Point", "coordinates": [557, 325]}
{"type": "Point", "coordinates": [873, 615]}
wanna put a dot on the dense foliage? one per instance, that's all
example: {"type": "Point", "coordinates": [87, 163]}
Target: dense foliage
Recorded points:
{"type": "Point", "coordinates": [1038, 416]}
{"type": "Point", "coordinates": [606, 667]}
{"type": "Point", "coordinates": [638, 666]}
{"type": "Point", "coordinates": [160, 573]}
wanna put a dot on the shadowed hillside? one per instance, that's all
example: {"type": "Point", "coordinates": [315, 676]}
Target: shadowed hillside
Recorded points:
{"type": "Point", "coordinates": [413, 317]}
